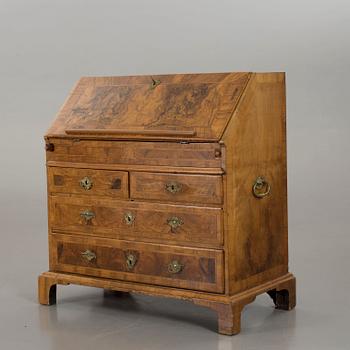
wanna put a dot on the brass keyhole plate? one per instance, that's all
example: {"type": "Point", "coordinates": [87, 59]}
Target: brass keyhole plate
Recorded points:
{"type": "Point", "coordinates": [131, 260]}
{"type": "Point", "coordinates": [129, 218]}
{"type": "Point", "coordinates": [173, 187]}
{"type": "Point", "coordinates": [86, 183]}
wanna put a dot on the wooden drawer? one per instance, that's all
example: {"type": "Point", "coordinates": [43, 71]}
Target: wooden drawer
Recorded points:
{"type": "Point", "coordinates": [171, 224]}
{"type": "Point", "coordinates": [198, 269]}
{"type": "Point", "coordinates": [88, 181]}
{"type": "Point", "coordinates": [136, 153]}
{"type": "Point", "coordinates": [206, 189]}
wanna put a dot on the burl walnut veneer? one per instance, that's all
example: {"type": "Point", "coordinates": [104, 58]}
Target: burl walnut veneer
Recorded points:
{"type": "Point", "coordinates": [172, 185]}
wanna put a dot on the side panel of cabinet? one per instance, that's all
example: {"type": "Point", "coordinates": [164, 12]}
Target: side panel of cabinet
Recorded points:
{"type": "Point", "coordinates": [255, 145]}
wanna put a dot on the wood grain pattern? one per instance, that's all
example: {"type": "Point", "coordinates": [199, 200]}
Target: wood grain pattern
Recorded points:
{"type": "Point", "coordinates": [192, 188]}
{"type": "Point", "coordinates": [256, 229]}
{"type": "Point", "coordinates": [229, 308]}
{"type": "Point", "coordinates": [186, 152]}
{"type": "Point", "coordinates": [136, 153]}
{"type": "Point", "coordinates": [104, 183]}
{"type": "Point", "coordinates": [202, 105]}
{"type": "Point", "coordinates": [130, 132]}
{"type": "Point", "coordinates": [202, 268]}
{"type": "Point", "coordinates": [199, 226]}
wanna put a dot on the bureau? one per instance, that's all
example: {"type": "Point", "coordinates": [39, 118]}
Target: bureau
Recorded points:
{"type": "Point", "coordinates": [171, 185]}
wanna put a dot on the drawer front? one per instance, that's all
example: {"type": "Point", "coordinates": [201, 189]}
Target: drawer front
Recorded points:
{"type": "Point", "coordinates": [88, 181]}
{"type": "Point", "coordinates": [198, 269]}
{"type": "Point", "coordinates": [171, 224]}
{"type": "Point", "coordinates": [204, 155]}
{"type": "Point", "coordinates": [206, 189]}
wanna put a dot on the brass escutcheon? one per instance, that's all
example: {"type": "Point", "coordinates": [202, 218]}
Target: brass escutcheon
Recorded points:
{"type": "Point", "coordinates": [261, 187]}
{"type": "Point", "coordinates": [174, 222]}
{"type": "Point", "coordinates": [86, 183]}
{"type": "Point", "coordinates": [88, 255]}
{"type": "Point", "coordinates": [129, 218]}
{"type": "Point", "coordinates": [175, 267]}
{"type": "Point", "coordinates": [131, 260]}
{"type": "Point", "coordinates": [173, 187]}
{"type": "Point", "coordinates": [87, 215]}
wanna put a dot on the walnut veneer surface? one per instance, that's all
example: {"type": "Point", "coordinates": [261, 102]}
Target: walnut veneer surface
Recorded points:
{"type": "Point", "coordinates": [172, 185]}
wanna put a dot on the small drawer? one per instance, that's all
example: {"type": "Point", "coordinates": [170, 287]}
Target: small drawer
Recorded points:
{"type": "Point", "coordinates": [88, 181]}
{"type": "Point", "coordinates": [206, 189]}
{"type": "Point", "coordinates": [198, 269]}
{"type": "Point", "coordinates": [170, 224]}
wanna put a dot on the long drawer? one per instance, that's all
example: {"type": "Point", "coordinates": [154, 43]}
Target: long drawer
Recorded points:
{"type": "Point", "coordinates": [88, 182]}
{"type": "Point", "coordinates": [170, 224]}
{"type": "Point", "coordinates": [197, 269]}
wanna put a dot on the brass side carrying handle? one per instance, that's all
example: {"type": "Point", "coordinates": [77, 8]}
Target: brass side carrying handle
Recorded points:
{"type": "Point", "coordinates": [261, 187]}
{"type": "Point", "coordinates": [88, 255]}
{"type": "Point", "coordinates": [87, 215]}
{"type": "Point", "coordinates": [175, 267]}
{"type": "Point", "coordinates": [174, 222]}
{"type": "Point", "coordinates": [86, 183]}
{"type": "Point", "coordinates": [173, 187]}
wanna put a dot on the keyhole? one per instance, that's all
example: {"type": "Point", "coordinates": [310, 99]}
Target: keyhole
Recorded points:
{"type": "Point", "coordinates": [129, 218]}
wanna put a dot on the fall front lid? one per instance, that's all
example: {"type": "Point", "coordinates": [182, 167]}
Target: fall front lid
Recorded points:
{"type": "Point", "coordinates": [181, 106]}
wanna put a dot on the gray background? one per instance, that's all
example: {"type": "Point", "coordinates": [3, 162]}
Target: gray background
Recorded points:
{"type": "Point", "coordinates": [45, 46]}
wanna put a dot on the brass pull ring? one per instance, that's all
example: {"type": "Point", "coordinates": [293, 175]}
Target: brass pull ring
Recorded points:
{"type": "Point", "coordinates": [173, 187]}
{"type": "Point", "coordinates": [88, 255]}
{"type": "Point", "coordinates": [174, 222]}
{"type": "Point", "coordinates": [86, 183]}
{"type": "Point", "coordinates": [175, 267]}
{"type": "Point", "coordinates": [131, 260]}
{"type": "Point", "coordinates": [261, 187]}
{"type": "Point", "coordinates": [87, 215]}
{"type": "Point", "coordinates": [129, 218]}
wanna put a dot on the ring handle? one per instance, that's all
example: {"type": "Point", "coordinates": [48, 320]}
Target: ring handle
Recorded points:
{"type": "Point", "coordinates": [88, 255]}
{"type": "Point", "coordinates": [174, 222]}
{"type": "Point", "coordinates": [175, 267]}
{"type": "Point", "coordinates": [261, 187]}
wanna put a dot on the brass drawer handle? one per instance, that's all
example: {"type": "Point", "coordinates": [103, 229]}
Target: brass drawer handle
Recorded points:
{"type": "Point", "coordinates": [129, 218]}
{"type": "Point", "coordinates": [88, 255]}
{"type": "Point", "coordinates": [87, 215]}
{"type": "Point", "coordinates": [131, 260]}
{"type": "Point", "coordinates": [86, 183]}
{"type": "Point", "coordinates": [174, 222]}
{"type": "Point", "coordinates": [175, 267]}
{"type": "Point", "coordinates": [173, 187]}
{"type": "Point", "coordinates": [261, 187]}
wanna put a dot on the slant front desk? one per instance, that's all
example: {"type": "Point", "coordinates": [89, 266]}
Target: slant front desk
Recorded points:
{"type": "Point", "coordinates": [172, 185]}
